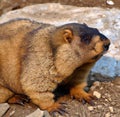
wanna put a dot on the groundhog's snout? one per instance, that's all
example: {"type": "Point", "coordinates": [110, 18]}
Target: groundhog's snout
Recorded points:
{"type": "Point", "coordinates": [106, 42]}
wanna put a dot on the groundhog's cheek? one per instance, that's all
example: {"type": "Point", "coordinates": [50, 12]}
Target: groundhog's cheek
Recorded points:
{"type": "Point", "coordinates": [99, 47]}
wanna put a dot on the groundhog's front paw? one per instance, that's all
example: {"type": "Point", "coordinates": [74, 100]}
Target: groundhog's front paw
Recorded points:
{"type": "Point", "coordinates": [82, 96]}
{"type": "Point", "coordinates": [57, 108]}
{"type": "Point", "coordinates": [19, 99]}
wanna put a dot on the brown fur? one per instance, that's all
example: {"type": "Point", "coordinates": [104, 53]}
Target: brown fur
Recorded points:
{"type": "Point", "coordinates": [36, 57]}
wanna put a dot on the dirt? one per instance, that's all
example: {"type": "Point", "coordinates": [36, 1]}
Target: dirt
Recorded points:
{"type": "Point", "coordinates": [108, 104]}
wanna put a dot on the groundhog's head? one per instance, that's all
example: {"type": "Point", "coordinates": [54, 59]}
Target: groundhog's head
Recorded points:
{"type": "Point", "coordinates": [85, 41]}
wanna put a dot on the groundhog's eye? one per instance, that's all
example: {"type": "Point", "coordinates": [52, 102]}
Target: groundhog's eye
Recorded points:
{"type": "Point", "coordinates": [85, 38]}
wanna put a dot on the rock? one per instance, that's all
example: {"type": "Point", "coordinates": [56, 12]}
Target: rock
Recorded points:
{"type": "Point", "coordinates": [109, 64]}
{"type": "Point", "coordinates": [97, 94]}
{"type": "Point", "coordinates": [110, 2]}
{"type": "Point", "coordinates": [107, 95]}
{"type": "Point", "coordinates": [102, 66]}
{"type": "Point", "coordinates": [97, 83]}
{"type": "Point", "coordinates": [113, 103]}
{"type": "Point", "coordinates": [37, 113]}
{"type": "Point", "coordinates": [11, 113]}
{"type": "Point", "coordinates": [103, 96]}
{"type": "Point", "coordinates": [91, 108]}
{"type": "Point", "coordinates": [46, 114]}
{"type": "Point", "coordinates": [93, 88]}
{"type": "Point", "coordinates": [99, 106]}
{"type": "Point", "coordinates": [101, 88]}
{"type": "Point", "coordinates": [107, 114]}
{"type": "Point", "coordinates": [111, 109]}
{"type": "Point", "coordinates": [3, 108]}
{"type": "Point", "coordinates": [110, 99]}
{"type": "Point", "coordinates": [106, 100]}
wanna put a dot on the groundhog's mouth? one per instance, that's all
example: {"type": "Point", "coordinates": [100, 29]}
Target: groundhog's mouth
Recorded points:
{"type": "Point", "coordinates": [97, 56]}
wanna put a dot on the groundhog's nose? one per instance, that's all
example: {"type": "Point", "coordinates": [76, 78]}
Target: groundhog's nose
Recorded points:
{"type": "Point", "coordinates": [106, 42]}
{"type": "Point", "coordinates": [106, 47]}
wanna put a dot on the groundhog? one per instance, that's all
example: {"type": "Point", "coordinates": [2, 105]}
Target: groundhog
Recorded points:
{"type": "Point", "coordinates": [35, 58]}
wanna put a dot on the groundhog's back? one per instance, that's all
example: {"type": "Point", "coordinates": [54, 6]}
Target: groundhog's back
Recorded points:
{"type": "Point", "coordinates": [12, 50]}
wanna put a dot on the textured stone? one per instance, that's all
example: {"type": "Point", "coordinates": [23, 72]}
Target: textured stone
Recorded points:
{"type": "Point", "coordinates": [46, 114]}
{"type": "Point", "coordinates": [37, 113]}
{"type": "Point", "coordinates": [3, 108]}
{"type": "Point", "coordinates": [111, 109]}
{"type": "Point", "coordinates": [110, 2]}
{"type": "Point", "coordinates": [90, 108]}
{"type": "Point", "coordinates": [97, 84]}
{"type": "Point", "coordinates": [107, 114]}
{"type": "Point", "coordinates": [99, 106]}
{"type": "Point", "coordinates": [105, 66]}
{"type": "Point", "coordinates": [97, 94]}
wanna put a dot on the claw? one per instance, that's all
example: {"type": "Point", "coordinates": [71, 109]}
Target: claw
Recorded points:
{"type": "Point", "coordinates": [58, 108]}
{"type": "Point", "coordinates": [63, 103]}
{"type": "Point", "coordinates": [20, 103]}
{"type": "Point", "coordinates": [53, 114]}
{"type": "Point", "coordinates": [63, 111]}
{"type": "Point", "coordinates": [94, 98]}
{"type": "Point", "coordinates": [83, 101]}
{"type": "Point", "coordinates": [85, 97]}
{"type": "Point", "coordinates": [91, 103]}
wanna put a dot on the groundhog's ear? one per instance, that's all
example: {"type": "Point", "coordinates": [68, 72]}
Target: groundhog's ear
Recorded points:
{"type": "Point", "coordinates": [68, 35]}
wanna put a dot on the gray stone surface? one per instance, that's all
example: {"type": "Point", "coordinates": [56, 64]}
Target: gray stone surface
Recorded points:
{"type": "Point", "coordinates": [46, 114]}
{"type": "Point", "coordinates": [37, 113]}
{"type": "Point", "coordinates": [3, 108]}
{"type": "Point", "coordinates": [106, 20]}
